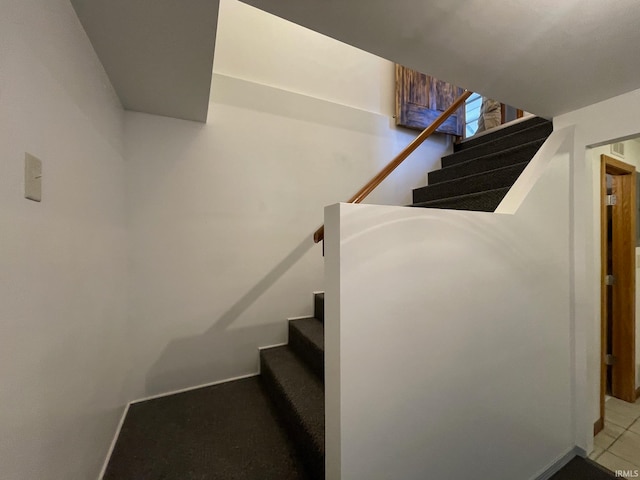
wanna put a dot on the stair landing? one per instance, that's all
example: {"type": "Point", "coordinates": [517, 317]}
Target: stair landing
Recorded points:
{"type": "Point", "coordinates": [223, 432]}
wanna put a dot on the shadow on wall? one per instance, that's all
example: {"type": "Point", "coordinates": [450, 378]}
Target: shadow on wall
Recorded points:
{"type": "Point", "coordinates": [190, 359]}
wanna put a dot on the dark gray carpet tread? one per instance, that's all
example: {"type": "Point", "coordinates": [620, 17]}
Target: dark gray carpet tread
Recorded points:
{"type": "Point", "coordinates": [306, 339]}
{"type": "Point", "coordinates": [312, 329]}
{"type": "Point", "coordinates": [489, 137]}
{"type": "Point", "coordinates": [494, 179]}
{"type": "Point", "coordinates": [303, 391]}
{"type": "Point", "coordinates": [583, 469]}
{"type": "Point", "coordinates": [318, 306]}
{"type": "Point", "coordinates": [486, 201]}
{"type": "Point", "coordinates": [536, 132]}
{"type": "Point", "coordinates": [491, 161]}
{"type": "Point", "coordinates": [223, 432]}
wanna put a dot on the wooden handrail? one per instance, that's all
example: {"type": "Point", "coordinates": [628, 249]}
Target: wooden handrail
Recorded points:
{"type": "Point", "coordinates": [318, 236]}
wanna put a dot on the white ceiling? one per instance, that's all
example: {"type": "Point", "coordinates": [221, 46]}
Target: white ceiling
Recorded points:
{"type": "Point", "coordinates": [544, 56]}
{"type": "Point", "coordinates": [158, 53]}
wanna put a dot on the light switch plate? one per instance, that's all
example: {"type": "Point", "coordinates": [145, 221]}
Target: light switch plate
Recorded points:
{"type": "Point", "coordinates": [32, 178]}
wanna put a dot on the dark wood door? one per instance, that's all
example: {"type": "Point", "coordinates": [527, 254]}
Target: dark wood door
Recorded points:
{"type": "Point", "coordinates": [623, 252]}
{"type": "Point", "coordinates": [421, 98]}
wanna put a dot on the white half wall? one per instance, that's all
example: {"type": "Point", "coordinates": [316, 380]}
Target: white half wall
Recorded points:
{"type": "Point", "coordinates": [454, 334]}
{"type": "Point", "coordinates": [222, 215]}
{"type": "Point", "coordinates": [599, 124]}
{"type": "Point", "coordinates": [63, 334]}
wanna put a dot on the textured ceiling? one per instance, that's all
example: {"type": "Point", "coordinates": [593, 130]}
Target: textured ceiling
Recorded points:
{"type": "Point", "coordinates": [158, 53]}
{"type": "Point", "coordinates": [545, 56]}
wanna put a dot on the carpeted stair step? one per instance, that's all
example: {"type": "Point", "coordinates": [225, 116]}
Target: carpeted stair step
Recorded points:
{"type": "Point", "coordinates": [537, 132]}
{"type": "Point", "coordinates": [215, 433]}
{"type": "Point", "coordinates": [498, 133]}
{"type": "Point", "coordinates": [298, 395]}
{"type": "Point", "coordinates": [306, 339]}
{"type": "Point", "coordinates": [318, 306]}
{"type": "Point", "coordinates": [494, 179]}
{"type": "Point", "coordinates": [583, 469]}
{"type": "Point", "coordinates": [492, 161]}
{"type": "Point", "coordinates": [486, 201]}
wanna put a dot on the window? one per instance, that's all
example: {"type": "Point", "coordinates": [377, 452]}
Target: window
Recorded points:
{"type": "Point", "coordinates": [472, 114]}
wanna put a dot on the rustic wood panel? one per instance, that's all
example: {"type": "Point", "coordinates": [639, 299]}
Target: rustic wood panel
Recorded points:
{"type": "Point", "coordinates": [420, 98]}
{"type": "Point", "coordinates": [416, 88]}
{"type": "Point", "coordinates": [416, 116]}
{"type": "Point", "coordinates": [441, 94]}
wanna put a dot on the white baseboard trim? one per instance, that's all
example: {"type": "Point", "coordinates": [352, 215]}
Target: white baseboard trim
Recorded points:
{"type": "Point", "coordinates": [188, 389]}
{"type": "Point", "coordinates": [275, 345]}
{"type": "Point", "coordinates": [551, 470]}
{"type": "Point", "coordinates": [302, 317]}
{"type": "Point", "coordinates": [113, 442]}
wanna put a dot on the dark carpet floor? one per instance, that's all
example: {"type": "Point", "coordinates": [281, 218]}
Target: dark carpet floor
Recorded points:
{"type": "Point", "coordinates": [227, 431]}
{"type": "Point", "coordinates": [582, 469]}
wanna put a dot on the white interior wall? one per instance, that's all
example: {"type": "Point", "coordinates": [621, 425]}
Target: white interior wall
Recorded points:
{"type": "Point", "coordinates": [266, 49]}
{"type": "Point", "coordinates": [451, 332]}
{"type": "Point", "coordinates": [63, 350]}
{"type": "Point", "coordinates": [599, 124]}
{"type": "Point", "coordinates": [221, 215]}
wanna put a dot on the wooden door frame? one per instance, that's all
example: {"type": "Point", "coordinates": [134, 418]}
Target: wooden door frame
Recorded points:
{"type": "Point", "coordinates": [503, 113]}
{"type": "Point", "coordinates": [624, 238]}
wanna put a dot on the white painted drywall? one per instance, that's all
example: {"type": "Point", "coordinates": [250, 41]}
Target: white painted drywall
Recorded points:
{"type": "Point", "coordinates": [599, 124]}
{"type": "Point", "coordinates": [158, 54]}
{"type": "Point", "coordinates": [221, 215]}
{"type": "Point", "coordinates": [272, 51]}
{"type": "Point", "coordinates": [454, 333]}
{"type": "Point", "coordinates": [571, 60]}
{"type": "Point", "coordinates": [63, 344]}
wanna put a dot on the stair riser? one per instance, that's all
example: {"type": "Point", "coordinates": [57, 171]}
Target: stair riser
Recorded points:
{"type": "Point", "coordinates": [307, 351]}
{"type": "Point", "coordinates": [489, 137]}
{"type": "Point", "coordinates": [301, 438]}
{"type": "Point", "coordinates": [484, 164]}
{"type": "Point", "coordinates": [318, 307]}
{"type": "Point", "coordinates": [483, 202]}
{"type": "Point", "coordinates": [538, 132]}
{"type": "Point", "coordinates": [502, 178]}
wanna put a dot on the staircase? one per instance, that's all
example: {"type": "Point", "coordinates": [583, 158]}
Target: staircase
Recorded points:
{"type": "Point", "coordinates": [269, 427]}
{"type": "Point", "coordinates": [272, 426]}
{"type": "Point", "coordinates": [481, 170]}
{"type": "Point", "coordinates": [294, 377]}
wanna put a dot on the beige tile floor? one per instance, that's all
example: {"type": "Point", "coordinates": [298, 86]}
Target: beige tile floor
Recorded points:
{"type": "Point", "coordinates": [617, 447]}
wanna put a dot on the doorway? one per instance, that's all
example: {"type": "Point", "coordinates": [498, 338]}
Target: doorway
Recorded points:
{"type": "Point", "coordinates": [618, 231]}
